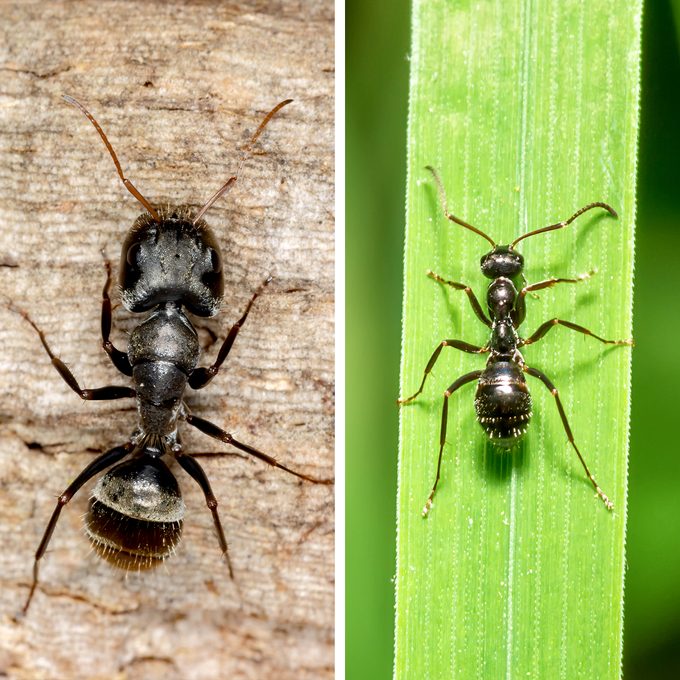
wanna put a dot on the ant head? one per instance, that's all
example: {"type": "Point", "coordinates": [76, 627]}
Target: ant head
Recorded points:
{"type": "Point", "coordinates": [502, 261]}
{"type": "Point", "coordinates": [505, 260]}
{"type": "Point", "coordinates": [170, 254]}
{"type": "Point", "coordinates": [171, 260]}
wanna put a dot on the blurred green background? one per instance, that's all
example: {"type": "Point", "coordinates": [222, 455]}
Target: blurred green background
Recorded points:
{"type": "Point", "coordinates": [377, 47]}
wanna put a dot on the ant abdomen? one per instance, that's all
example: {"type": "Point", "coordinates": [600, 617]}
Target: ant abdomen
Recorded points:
{"type": "Point", "coordinates": [136, 514]}
{"type": "Point", "coordinates": [503, 403]}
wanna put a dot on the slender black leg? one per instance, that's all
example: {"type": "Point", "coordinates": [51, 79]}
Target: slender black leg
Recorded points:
{"type": "Point", "coordinates": [98, 393]}
{"type": "Point", "coordinates": [553, 390]}
{"type": "Point", "coordinates": [549, 283]}
{"type": "Point", "coordinates": [464, 379]}
{"type": "Point", "coordinates": [215, 432]}
{"type": "Point", "coordinates": [457, 344]}
{"type": "Point", "coordinates": [201, 376]}
{"type": "Point", "coordinates": [544, 328]}
{"type": "Point", "coordinates": [97, 465]}
{"type": "Point", "coordinates": [196, 471]}
{"type": "Point", "coordinates": [468, 291]}
{"type": "Point", "coordinates": [120, 359]}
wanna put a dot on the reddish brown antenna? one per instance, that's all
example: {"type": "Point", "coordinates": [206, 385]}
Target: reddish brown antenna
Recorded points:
{"type": "Point", "coordinates": [561, 225]}
{"type": "Point", "coordinates": [453, 218]}
{"type": "Point", "coordinates": [128, 184]}
{"type": "Point", "coordinates": [246, 150]}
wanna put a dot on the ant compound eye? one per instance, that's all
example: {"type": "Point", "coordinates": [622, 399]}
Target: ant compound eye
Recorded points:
{"type": "Point", "coordinates": [216, 260]}
{"type": "Point", "coordinates": [210, 279]}
{"type": "Point", "coordinates": [132, 254]}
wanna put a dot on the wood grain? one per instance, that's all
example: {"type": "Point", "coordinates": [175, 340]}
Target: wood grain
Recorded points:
{"type": "Point", "coordinates": [178, 87]}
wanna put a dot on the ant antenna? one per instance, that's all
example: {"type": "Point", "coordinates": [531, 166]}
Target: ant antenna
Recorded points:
{"type": "Point", "coordinates": [561, 225]}
{"type": "Point", "coordinates": [246, 151]}
{"type": "Point", "coordinates": [128, 184]}
{"type": "Point", "coordinates": [453, 218]}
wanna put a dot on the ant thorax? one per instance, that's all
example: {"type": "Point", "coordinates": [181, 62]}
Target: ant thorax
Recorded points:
{"type": "Point", "coordinates": [163, 351]}
{"type": "Point", "coordinates": [504, 339]}
{"type": "Point", "coordinates": [501, 296]}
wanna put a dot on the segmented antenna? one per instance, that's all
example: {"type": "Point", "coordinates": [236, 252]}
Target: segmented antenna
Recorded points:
{"type": "Point", "coordinates": [128, 184]}
{"type": "Point", "coordinates": [561, 225]}
{"type": "Point", "coordinates": [453, 218]}
{"type": "Point", "coordinates": [246, 151]}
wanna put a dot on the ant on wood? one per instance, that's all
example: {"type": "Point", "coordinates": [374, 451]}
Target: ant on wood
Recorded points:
{"type": "Point", "coordinates": [170, 260]}
{"type": "Point", "coordinates": [502, 400]}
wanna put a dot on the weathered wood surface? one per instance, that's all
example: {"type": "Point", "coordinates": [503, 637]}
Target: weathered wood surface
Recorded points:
{"type": "Point", "coordinates": [179, 87]}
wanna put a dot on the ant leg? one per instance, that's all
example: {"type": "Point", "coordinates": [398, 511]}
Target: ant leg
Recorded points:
{"type": "Point", "coordinates": [120, 359]}
{"type": "Point", "coordinates": [464, 379]}
{"type": "Point", "coordinates": [192, 467]}
{"type": "Point", "coordinates": [457, 344]}
{"type": "Point", "coordinates": [98, 393]}
{"type": "Point", "coordinates": [201, 376]}
{"type": "Point", "coordinates": [215, 432]}
{"type": "Point", "coordinates": [544, 328]}
{"type": "Point", "coordinates": [549, 283]}
{"type": "Point", "coordinates": [553, 390]}
{"type": "Point", "coordinates": [97, 465]}
{"type": "Point", "coordinates": [468, 291]}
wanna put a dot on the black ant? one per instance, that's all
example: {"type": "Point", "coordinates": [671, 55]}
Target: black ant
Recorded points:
{"type": "Point", "coordinates": [170, 260]}
{"type": "Point", "coordinates": [502, 400]}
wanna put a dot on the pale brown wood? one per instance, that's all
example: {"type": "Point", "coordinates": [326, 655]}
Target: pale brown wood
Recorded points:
{"type": "Point", "coordinates": [178, 87]}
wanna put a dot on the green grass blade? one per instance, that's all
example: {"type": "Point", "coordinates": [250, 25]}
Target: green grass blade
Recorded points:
{"type": "Point", "coordinates": [529, 109]}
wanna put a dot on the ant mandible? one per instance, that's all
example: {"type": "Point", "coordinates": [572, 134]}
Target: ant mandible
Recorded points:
{"type": "Point", "coordinates": [502, 400]}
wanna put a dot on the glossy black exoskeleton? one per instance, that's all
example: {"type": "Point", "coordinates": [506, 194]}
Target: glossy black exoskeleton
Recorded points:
{"type": "Point", "coordinates": [502, 400]}
{"type": "Point", "coordinates": [170, 264]}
